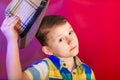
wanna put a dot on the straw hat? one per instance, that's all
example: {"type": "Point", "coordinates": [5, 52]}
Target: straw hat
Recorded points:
{"type": "Point", "coordinates": [30, 13]}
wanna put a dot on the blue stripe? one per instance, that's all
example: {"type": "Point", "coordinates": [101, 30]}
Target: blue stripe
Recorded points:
{"type": "Point", "coordinates": [55, 60]}
{"type": "Point", "coordinates": [66, 75]}
{"type": "Point", "coordinates": [35, 73]}
{"type": "Point", "coordinates": [88, 71]}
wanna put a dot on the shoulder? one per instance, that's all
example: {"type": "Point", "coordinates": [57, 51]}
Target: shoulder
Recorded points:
{"type": "Point", "coordinates": [88, 71]}
{"type": "Point", "coordinates": [87, 68]}
{"type": "Point", "coordinates": [39, 63]}
{"type": "Point", "coordinates": [37, 70]}
{"type": "Point", "coordinates": [42, 62]}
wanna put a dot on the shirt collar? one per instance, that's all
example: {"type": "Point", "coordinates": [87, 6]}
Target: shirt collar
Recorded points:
{"type": "Point", "coordinates": [60, 63]}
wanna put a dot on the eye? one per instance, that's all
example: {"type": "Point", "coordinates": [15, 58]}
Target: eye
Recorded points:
{"type": "Point", "coordinates": [61, 39]}
{"type": "Point", "coordinates": [70, 32]}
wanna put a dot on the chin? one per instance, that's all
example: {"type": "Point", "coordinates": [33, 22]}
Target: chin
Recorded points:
{"type": "Point", "coordinates": [75, 52]}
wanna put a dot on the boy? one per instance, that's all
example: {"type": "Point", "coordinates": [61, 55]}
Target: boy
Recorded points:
{"type": "Point", "coordinates": [58, 40]}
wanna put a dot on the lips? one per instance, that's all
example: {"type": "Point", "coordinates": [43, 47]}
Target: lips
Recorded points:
{"type": "Point", "coordinates": [72, 48]}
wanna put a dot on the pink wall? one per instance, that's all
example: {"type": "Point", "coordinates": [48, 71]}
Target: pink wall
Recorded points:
{"type": "Point", "coordinates": [97, 24]}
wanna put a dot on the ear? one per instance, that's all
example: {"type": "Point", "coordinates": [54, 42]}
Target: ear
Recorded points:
{"type": "Point", "coordinates": [46, 50]}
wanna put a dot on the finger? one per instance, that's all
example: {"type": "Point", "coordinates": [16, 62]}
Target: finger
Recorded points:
{"type": "Point", "coordinates": [11, 22]}
{"type": "Point", "coordinates": [8, 20]}
{"type": "Point", "coordinates": [14, 23]}
{"type": "Point", "coordinates": [11, 19]}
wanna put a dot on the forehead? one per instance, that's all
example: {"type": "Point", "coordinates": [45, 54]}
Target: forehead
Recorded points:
{"type": "Point", "coordinates": [59, 29]}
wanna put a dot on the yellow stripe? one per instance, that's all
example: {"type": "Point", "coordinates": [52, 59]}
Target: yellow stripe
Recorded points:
{"type": "Point", "coordinates": [55, 74]}
{"type": "Point", "coordinates": [29, 74]}
{"type": "Point", "coordinates": [53, 71]}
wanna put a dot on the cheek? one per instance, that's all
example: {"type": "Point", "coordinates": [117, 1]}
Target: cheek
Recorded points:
{"type": "Point", "coordinates": [62, 47]}
{"type": "Point", "coordinates": [76, 39]}
{"type": "Point", "coordinates": [55, 47]}
{"type": "Point", "coordinates": [57, 50]}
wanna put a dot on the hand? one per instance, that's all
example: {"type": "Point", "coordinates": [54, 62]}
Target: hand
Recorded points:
{"type": "Point", "coordinates": [8, 28]}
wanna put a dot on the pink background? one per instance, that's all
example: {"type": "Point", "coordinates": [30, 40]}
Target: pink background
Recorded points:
{"type": "Point", "coordinates": [97, 25]}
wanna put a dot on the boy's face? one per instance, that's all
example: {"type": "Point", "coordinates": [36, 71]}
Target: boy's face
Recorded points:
{"type": "Point", "coordinates": [62, 41]}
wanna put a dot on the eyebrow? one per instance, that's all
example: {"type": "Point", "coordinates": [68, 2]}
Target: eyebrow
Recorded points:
{"type": "Point", "coordinates": [61, 34]}
{"type": "Point", "coordinates": [70, 27]}
{"type": "Point", "coordinates": [58, 36]}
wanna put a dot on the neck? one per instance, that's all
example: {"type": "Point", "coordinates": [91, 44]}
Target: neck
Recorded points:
{"type": "Point", "coordinates": [70, 63]}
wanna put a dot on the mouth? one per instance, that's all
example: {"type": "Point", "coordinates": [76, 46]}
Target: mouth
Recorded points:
{"type": "Point", "coordinates": [73, 48]}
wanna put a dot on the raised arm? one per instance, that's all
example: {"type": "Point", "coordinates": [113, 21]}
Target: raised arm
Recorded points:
{"type": "Point", "coordinates": [13, 65]}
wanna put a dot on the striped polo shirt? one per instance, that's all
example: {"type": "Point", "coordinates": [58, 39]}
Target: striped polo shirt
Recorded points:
{"type": "Point", "coordinates": [53, 68]}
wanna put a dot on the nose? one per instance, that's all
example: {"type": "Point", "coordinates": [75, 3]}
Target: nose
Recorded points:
{"type": "Point", "coordinates": [70, 40]}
